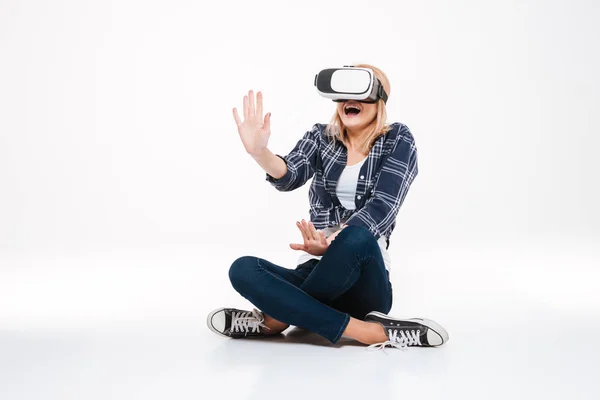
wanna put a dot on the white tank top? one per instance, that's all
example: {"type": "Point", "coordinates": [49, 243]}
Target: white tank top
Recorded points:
{"type": "Point", "coordinates": [346, 191]}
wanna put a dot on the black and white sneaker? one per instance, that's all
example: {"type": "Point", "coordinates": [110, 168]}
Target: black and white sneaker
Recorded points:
{"type": "Point", "coordinates": [408, 332]}
{"type": "Point", "coordinates": [235, 323]}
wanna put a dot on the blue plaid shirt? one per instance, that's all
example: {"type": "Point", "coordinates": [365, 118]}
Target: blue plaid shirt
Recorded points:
{"type": "Point", "coordinates": [384, 179]}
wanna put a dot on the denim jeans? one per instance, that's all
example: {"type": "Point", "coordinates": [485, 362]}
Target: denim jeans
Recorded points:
{"type": "Point", "coordinates": [320, 295]}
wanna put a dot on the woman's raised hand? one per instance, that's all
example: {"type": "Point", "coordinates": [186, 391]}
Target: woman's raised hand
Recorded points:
{"type": "Point", "coordinates": [254, 131]}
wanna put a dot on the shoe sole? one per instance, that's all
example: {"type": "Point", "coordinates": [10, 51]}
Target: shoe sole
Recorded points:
{"type": "Point", "coordinates": [209, 321]}
{"type": "Point", "coordinates": [434, 326]}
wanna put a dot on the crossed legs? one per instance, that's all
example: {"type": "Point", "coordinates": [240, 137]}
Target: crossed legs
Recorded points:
{"type": "Point", "coordinates": [328, 296]}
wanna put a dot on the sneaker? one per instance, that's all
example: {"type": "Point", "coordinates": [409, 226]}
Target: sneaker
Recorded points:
{"type": "Point", "coordinates": [235, 323]}
{"type": "Point", "coordinates": [403, 333]}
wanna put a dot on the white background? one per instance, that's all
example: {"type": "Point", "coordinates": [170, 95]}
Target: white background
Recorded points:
{"type": "Point", "coordinates": [126, 193]}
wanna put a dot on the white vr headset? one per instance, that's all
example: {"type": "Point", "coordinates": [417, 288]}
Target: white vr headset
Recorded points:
{"type": "Point", "coordinates": [350, 83]}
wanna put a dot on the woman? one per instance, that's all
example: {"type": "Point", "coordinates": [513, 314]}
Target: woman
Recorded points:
{"type": "Point", "coordinates": [362, 170]}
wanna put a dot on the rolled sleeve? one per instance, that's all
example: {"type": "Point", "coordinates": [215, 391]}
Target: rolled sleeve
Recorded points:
{"type": "Point", "coordinates": [285, 180]}
{"type": "Point", "coordinates": [300, 162]}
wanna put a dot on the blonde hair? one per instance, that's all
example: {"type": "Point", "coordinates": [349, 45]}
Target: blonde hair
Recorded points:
{"type": "Point", "coordinates": [337, 130]}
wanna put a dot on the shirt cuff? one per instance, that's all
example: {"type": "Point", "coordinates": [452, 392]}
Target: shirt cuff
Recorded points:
{"type": "Point", "coordinates": [284, 180]}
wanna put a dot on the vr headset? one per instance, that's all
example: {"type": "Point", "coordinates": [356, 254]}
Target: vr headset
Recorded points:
{"type": "Point", "coordinates": [350, 83]}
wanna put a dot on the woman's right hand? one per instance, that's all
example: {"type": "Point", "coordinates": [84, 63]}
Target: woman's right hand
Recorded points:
{"type": "Point", "coordinates": [254, 131]}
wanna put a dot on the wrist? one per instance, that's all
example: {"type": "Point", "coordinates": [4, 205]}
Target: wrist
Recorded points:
{"type": "Point", "coordinates": [260, 154]}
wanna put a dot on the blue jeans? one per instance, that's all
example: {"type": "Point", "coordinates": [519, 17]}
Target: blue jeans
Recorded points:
{"type": "Point", "coordinates": [320, 295]}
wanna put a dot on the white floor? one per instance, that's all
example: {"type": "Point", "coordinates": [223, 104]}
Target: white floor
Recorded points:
{"type": "Point", "coordinates": [524, 322]}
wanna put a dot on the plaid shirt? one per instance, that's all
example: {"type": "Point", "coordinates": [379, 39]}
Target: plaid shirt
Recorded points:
{"type": "Point", "coordinates": [384, 178]}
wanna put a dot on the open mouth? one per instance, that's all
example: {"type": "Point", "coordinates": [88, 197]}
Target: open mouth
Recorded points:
{"type": "Point", "coordinates": [351, 110]}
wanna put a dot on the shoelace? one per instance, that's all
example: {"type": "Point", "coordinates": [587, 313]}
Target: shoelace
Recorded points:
{"type": "Point", "coordinates": [399, 339]}
{"type": "Point", "coordinates": [247, 321]}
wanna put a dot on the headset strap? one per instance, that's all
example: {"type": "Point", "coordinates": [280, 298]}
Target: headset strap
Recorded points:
{"type": "Point", "coordinates": [381, 92]}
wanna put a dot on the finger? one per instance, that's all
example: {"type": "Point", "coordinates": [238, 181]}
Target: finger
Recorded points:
{"type": "Point", "coordinates": [323, 238]}
{"type": "Point", "coordinates": [313, 231]}
{"type": "Point", "coordinates": [304, 236]}
{"type": "Point", "coordinates": [251, 110]}
{"type": "Point", "coordinates": [304, 232]}
{"type": "Point", "coordinates": [267, 123]}
{"type": "Point", "coordinates": [332, 237]}
{"type": "Point", "coordinates": [297, 246]}
{"type": "Point", "coordinates": [259, 105]}
{"type": "Point", "coordinates": [236, 116]}
{"type": "Point", "coordinates": [309, 233]}
{"type": "Point", "coordinates": [245, 107]}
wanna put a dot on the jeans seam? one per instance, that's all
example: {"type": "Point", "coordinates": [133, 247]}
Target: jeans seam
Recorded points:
{"type": "Point", "coordinates": [364, 261]}
{"type": "Point", "coordinates": [351, 272]}
{"type": "Point", "coordinates": [340, 292]}
{"type": "Point", "coordinates": [342, 329]}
